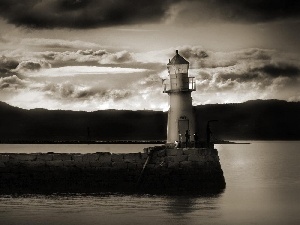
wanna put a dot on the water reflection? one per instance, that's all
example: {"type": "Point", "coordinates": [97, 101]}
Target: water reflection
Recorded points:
{"type": "Point", "coordinates": [190, 209]}
{"type": "Point", "coordinates": [180, 205]}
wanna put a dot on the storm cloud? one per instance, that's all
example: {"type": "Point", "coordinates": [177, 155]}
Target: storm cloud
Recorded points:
{"type": "Point", "coordinates": [32, 65]}
{"type": "Point", "coordinates": [7, 65]}
{"type": "Point", "coordinates": [84, 14]}
{"type": "Point", "coordinates": [88, 56]}
{"type": "Point", "coordinates": [244, 11]}
{"type": "Point", "coordinates": [59, 43]}
{"type": "Point", "coordinates": [281, 69]}
{"type": "Point", "coordinates": [70, 92]}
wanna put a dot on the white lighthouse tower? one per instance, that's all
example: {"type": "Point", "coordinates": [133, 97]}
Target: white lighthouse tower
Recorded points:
{"type": "Point", "coordinates": [179, 86]}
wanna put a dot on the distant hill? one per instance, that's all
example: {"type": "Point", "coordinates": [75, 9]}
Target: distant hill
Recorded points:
{"type": "Point", "coordinates": [252, 120]}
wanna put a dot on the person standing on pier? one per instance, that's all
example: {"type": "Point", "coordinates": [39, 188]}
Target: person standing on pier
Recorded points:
{"type": "Point", "coordinates": [187, 138]}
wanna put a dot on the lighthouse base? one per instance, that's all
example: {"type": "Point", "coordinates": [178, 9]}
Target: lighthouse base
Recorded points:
{"type": "Point", "coordinates": [159, 170]}
{"type": "Point", "coordinates": [184, 171]}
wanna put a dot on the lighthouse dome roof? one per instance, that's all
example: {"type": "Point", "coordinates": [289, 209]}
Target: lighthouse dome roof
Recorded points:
{"type": "Point", "coordinates": [177, 59]}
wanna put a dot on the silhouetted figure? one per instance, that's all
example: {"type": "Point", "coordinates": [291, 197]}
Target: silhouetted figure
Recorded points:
{"type": "Point", "coordinates": [180, 141]}
{"type": "Point", "coordinates": [187, 138]}
{"type": "Point", "coordinates": [196, 139]}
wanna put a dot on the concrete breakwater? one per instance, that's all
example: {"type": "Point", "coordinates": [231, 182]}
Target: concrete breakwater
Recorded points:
{"type": "Point", "coordinates": [159, 170]}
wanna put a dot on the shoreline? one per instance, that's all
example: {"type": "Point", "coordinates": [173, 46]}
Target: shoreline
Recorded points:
{"type": "Point", "coordinates": [87, 142]}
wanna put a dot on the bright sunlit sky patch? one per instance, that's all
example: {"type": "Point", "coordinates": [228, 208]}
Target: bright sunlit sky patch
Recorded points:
{"type": "Point", "coordinates": [96, 54]}
{"type": "Point", "coordinates": [82, 70]}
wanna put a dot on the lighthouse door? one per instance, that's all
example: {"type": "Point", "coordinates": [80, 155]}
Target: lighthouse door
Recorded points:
{"type": "Point", "coordinates": [183, 126]}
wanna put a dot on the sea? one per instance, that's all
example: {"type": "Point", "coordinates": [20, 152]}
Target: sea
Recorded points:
{"type": "Point", "coordinates": [262, 187]}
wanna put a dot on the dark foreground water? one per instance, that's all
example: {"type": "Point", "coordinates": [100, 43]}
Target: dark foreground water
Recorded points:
{"type": "Point", "coordinates": [263, 187]}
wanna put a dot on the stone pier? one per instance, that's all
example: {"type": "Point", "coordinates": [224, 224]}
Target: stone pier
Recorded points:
{"type": "Point", "coordinates": [167, 171]}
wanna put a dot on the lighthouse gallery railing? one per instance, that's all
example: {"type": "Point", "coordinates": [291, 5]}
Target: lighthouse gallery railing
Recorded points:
{"type": "Point", "coordinates": [174, 88]}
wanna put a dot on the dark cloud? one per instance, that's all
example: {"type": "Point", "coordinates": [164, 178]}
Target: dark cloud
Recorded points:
{"type": "Point", "coordinates": [255, 53]}
{"type": "Point", "coordinates": [249, 11]}
{"type": "Point", "coordinates": [256, 80]}
{"type": "Point", "coordinates": [10, 66]}
{"type": "Point", "coordinates": [115, 95]}
{"type": "Point", "coordinates": [197, 56]}
{"type": "Point", "coordinates": [59, 44]}
{"type": "Point", "coordinates": [12, 82]}
{"type": "Point", "coordinates": [32, 65]}
{"type": "Point", "coordinates": [260, 10]}
{"type": "Point", "coordinates": [5, 72]}
{"type": "Point", "coordinates": [85, 94]}
{"type": "Point", "coordinates": [82, 13]}
{"type": "Point", "coordinates": [88, 56]}
{"type": "Point", "coordinates": [119, 57]}
{"type": "Point", "coordinates": [3, 86]}
{"type": "Point", "coordinates": [48, 55]}
{"type": "Point", "coordinates": [69, 91]}
{"type": "Point", "coordinates": [7, 65]}
{"type": "Point", "coordinates": [100, 13]}
{"type": "Point", "coordinates": [197, 53]}
{"type": "Point", "coordinates": [264, 74]}
{"type": "Point", "coordinates": [241, 78]}
{"type": "Point", "coordinates": [280, 69]}
{"type": "Point", "coordinates": [201, 58]}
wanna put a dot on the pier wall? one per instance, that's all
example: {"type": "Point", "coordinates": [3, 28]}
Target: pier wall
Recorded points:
{"type": "Point", "coordinates": [193, 170]}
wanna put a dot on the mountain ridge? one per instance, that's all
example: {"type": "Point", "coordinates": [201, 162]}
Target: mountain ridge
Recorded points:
{"type": "Point", "coordinates": [251, 120]}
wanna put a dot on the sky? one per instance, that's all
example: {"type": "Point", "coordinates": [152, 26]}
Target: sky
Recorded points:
{"type": "Point", "coordinates": [93, 55]}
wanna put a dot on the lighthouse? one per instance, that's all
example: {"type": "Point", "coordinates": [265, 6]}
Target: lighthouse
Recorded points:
{"type": "Point", "coordinates": [179, 86]}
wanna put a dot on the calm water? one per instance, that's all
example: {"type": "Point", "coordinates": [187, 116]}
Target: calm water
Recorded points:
{"type": "Point", "coordinates": [263, 187]}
